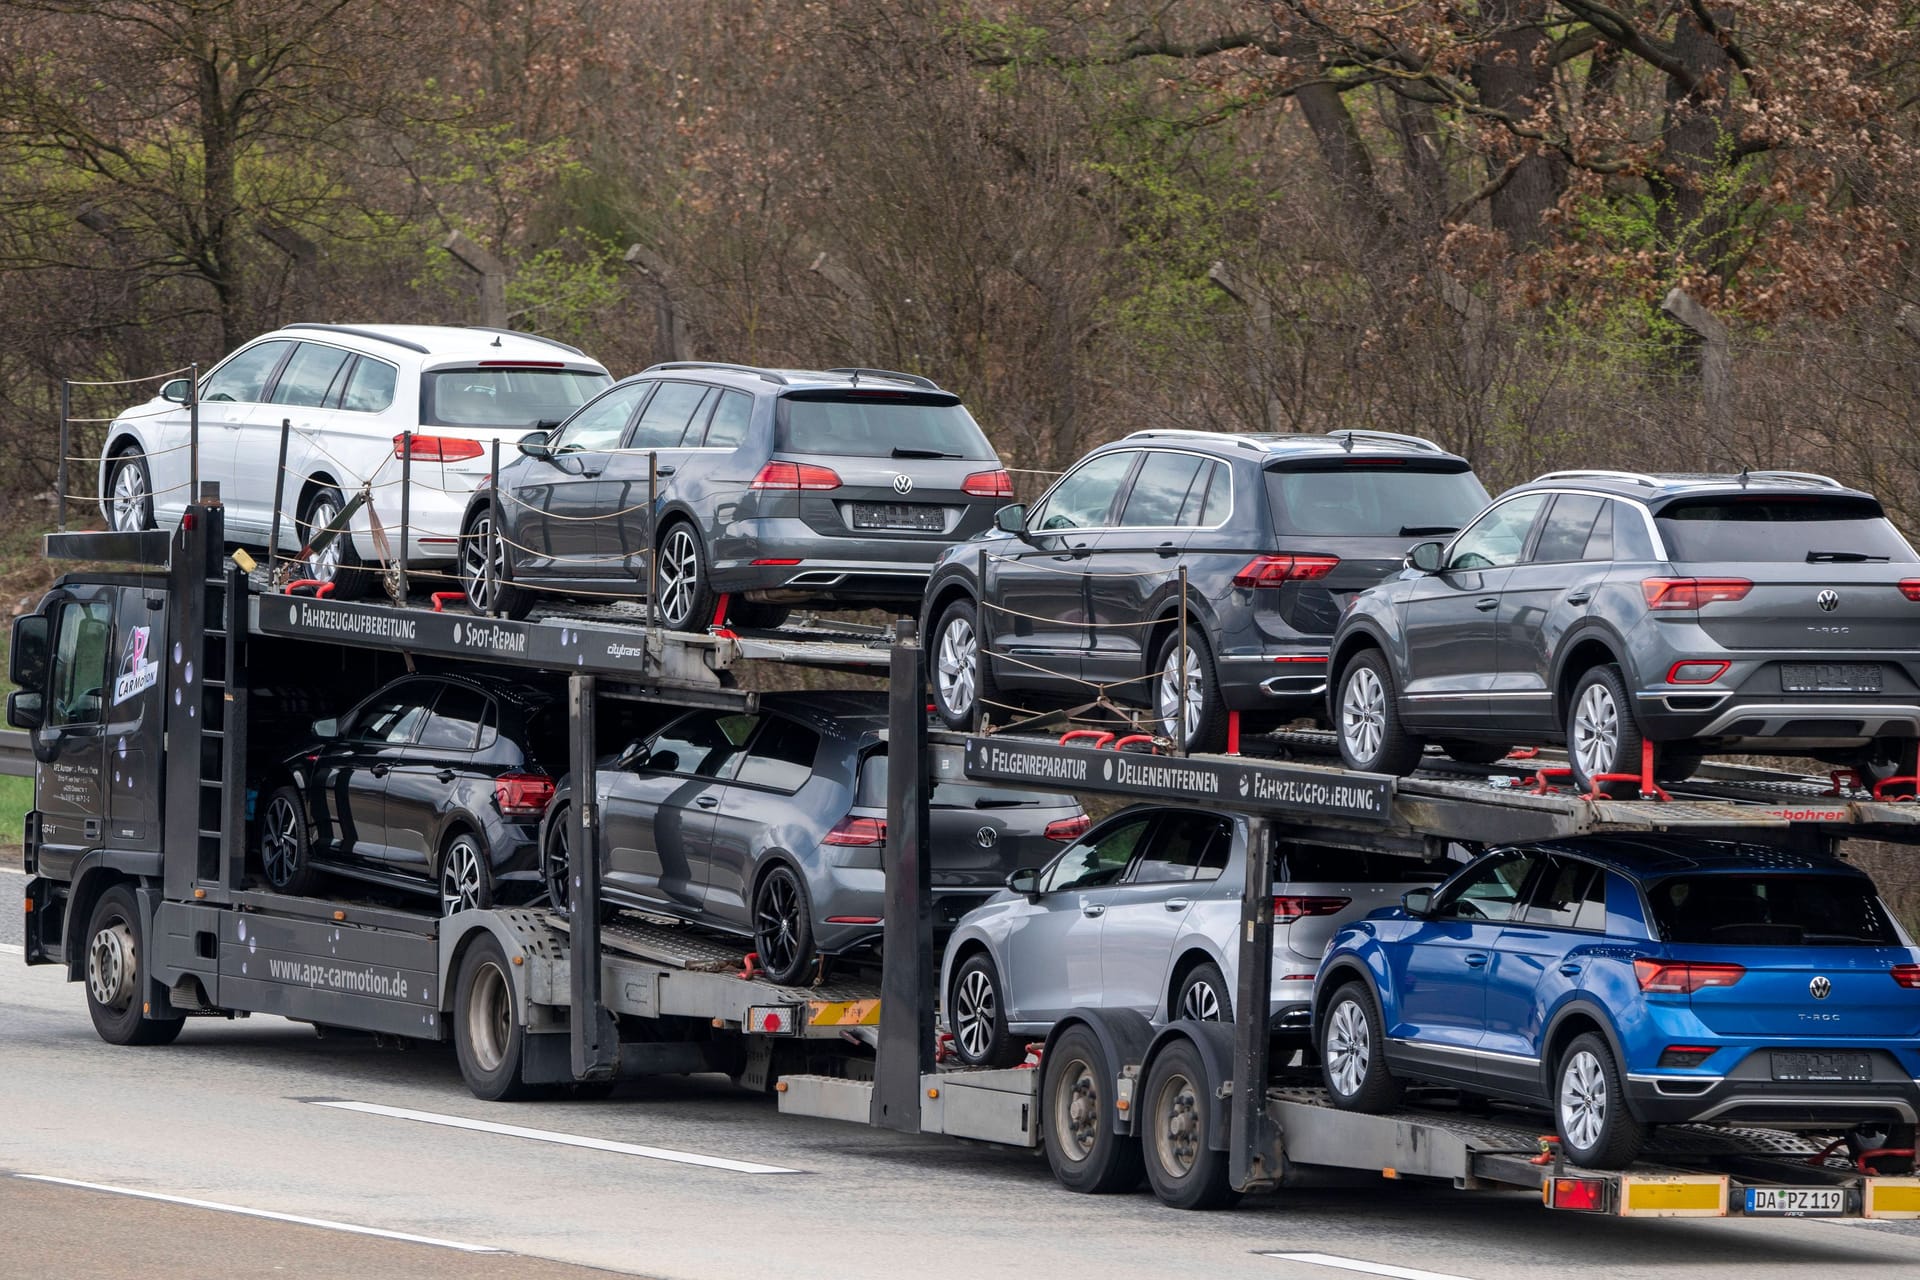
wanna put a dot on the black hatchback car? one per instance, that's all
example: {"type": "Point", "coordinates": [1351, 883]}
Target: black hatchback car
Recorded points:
{"type": "Point", "coordinates": [1080, 593]}
{"type": "Point", "coordinates": [433, 783]}
{"type": "Point", "coordinates": [768, 488]}
{"type": "Point", "coordinates": [771, 825]}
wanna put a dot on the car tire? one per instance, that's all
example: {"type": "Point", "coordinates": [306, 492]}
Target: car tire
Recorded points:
{"type": "Point", "coordinates": [1353, 1042]}
{"type": "Point", "coordinates": [1590, 1107]}
{"type": "Point", "coordinates": [1203, 996]}
{"type": "Point", "coordinates": [1176, 1142]}
{"type": "Point", "coordinates": [465, 877]}
{"type": "Point", "coordinates": [686, 592]}
{"type": "Point", "coordinates": [978, 1015]}
{"type": "Point", "coordinates": [1883, 1137]}
{"type": "Point", "coordinates": [1205, 724]}
{"type": "Point", "coordinates": [486, 571]}
{"type": "Point", "coordinates": [130, 490]}
{"type": "Point", "coordinates": [488, 1035]}
{"type": "Point", "coordinates": [783, 925]}
{"type": "Point", "coordinates": [1602, 734]}
{"type": "Point", "coordinates": [963, 685]}
{"type": "Point", "coordinates": [115, 974]}
{"type": "Point", "coordinates": [1475, 753]}
{"type": "Point", "coordinates": [286, 844]}
{"type": "Point", "coordinates": [1887, 758]}
{"type": "Point", "coordinates": [1672, 765]}
{"type": "Point", "coordinates": [1076, 1125]}
{"type": "Point", "coordinates": [1367, 719]}
{"type": "Point", "coordinates": [340, 563]}
{"type": "Point", "coordinates": [556, 866]}
{"type": "Point", "coordinates": [759, 616]}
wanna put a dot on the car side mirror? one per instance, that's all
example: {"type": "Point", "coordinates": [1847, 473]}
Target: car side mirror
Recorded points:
{"type": "Point", "coordinates": [1427, 557]}
{"type": "Point", "coordinates": [176, 391]}
{"type": "Point", "coordinates": [328, 728]}
{"type": "Point", "coordinates": [1417, 902]}
{"type": "Point", "coordinates": [26, 709]}
{"type": "Point", "coordinates": [630, 754]}
{"type": "Point", "coordinates": [534, 444]}
{"type": "Point", "coordinates": [1012, 519]}
{"type": "Point", "coordinates": [27, 661]}
{"type": "Point", "coordinates": [1026, 880]}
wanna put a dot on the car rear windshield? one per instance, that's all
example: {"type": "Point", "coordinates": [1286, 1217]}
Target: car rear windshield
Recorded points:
{"type": "Point", "coordinates": [950, 789]}
{"type": "Point", "coordinates": [880, 424]}
{"type": "Point", "coordinates": [1373, 499]}
{"type": "Point", "coordinates": [1770, 910]}
{"type": "Point", "coordinates": [505, 397]}
{"type": "Point", "coordinates": [546, 737]}
{"type": "Point", "coordinates": [1780, 528]}
{"type": "Point", "coordinates": [1307, 863]}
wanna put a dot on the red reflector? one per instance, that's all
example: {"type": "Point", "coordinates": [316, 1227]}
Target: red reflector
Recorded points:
{"type": "Point", "coordinates": [1907, 975]}
{"type": "Point", "coordinates": [776, 562]}
{"type": "Point", "coordinates": [1692, 593]}
{"type": "Point", "coordinates": [523, 795]}
{"type": "Point", "coordinates": [1582, 1195]}
{"type": "Point", "coordinates": [795, 475]}
{"type": "Point", "coordinates": [523, 364]}
{"type": "Point", "coordinates": [1301, 657]}
{"type": "Point", "coordinates": [1702, 672]}
{"type": "Point", "coordinates": [1287, 909]}
{"type": "Point", "coordinates": [988, 484]}
{"type": "Point", "coordinates": [1271, 571]}
{"type": "Point", "coordinates": [437, 448]}
{"type": "Point", "coordinates": [186, 522]}
{"type": "Point", "coordinates": [861, 833]}
{"type": "Point", "coordinates": [1682, 977]}
{"type": "Point", "coordinates": [1297, 977]}
{"type": "Point", "coordinates": [1068, 828]}
{"type": "Point", "coordinates": [1684, 1055]}
{"type": "Point", "coordinates": [1910, 588]}
{"type": "Point", "coordinates": [853, 919]}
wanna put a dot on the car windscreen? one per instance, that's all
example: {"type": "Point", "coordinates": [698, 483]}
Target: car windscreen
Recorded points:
{"type": "Point", "coordinates": [1782, 528]}
{"type": "Point", "coordinates": [879, 424]}
{"type": "Point", "coordinates": [1309, 863]}
{"type": "Point", "coordinates": [950, 789]}
{"type": "Point", "coordinates": [505, 397]}
{"type": "Point", "coordinates": [1369, 498]}
{"type": "Point", "coordinates": [1762, 909]}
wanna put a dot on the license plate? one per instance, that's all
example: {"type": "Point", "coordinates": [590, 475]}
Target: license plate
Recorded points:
{"type": "Point", "coordinates": [1831, 677]}
{"type": "Point", "coordinates": [1797, 1202]}
{"type": "Point", "coordinates": [1841, 1068]}
{"type": "Point", "coordinates": [899, 515]}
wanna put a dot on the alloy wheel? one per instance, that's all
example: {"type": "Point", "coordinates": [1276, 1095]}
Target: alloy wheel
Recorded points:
{"type": "Point", "coordinates": [1201, 1002]}
{"type": "Point", "coordinates": [1349, 1047]}
{"type": "Point", "coordinates": [483, 563]}
{"type": "Point", "coordinates": [280, 842]}
{"type": "Point", "coordinates": [777, 922]}
{"type": "Point", "coordinates": [558, 870]}
{"type": "Point", "coordinates": [461, 876]}
{"type": "Point", "coordinates": [1583, 1100]}
{"type": "Point", "coordinates": [1363, 713]}
{"type": "Point", "coordinates": [1180, 715]}
{"type": "Point", "coordinates": [1075, 1110]}
{"type": "Point", "coordinates": [1176, 1125]}
{"type": "Point", "coordinates": [129, 495]}
{"type": "Point", "coordinates": [1596, 730]}
{"type": "Point", "coordinates": [976, 1012]}
{"type": "Point", "coordinates": [324, 564]}
{"type": "Point", "coordinates": [957, 661]}
{"type": "Point", "coordinates": [679, 576]}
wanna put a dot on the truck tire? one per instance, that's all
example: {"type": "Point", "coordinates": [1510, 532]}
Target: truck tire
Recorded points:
{"type": "Point", "coordinates": [1182, 1166]}
{"type": "Point", "coordinates": [116, 976]}
{"type": "Point", "coordinates": [1590, 1107]}
{"type": "Point", "coordinates": [1076, 1121]}
{"type": "Point", "coordinates": [489, 1032]}
{"type": "Point", "coordinates": [286, 847]}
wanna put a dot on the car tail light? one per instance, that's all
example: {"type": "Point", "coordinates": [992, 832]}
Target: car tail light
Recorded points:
{"type": "Point", "coordinates": [1068, 828]}
{"type": "Point", "coordinates": [1685, 1055]}
{"type": "Point", "coordinates": [1910, 588]}
{"type": "Point", "coordinates": [795, 475]}
{"type": "Point", "coordinates": [1907, 975]}
{"type": "Point", "coordinates": [1287, 909]}
{"type": "Point", "coordinates": [988, 484]}
{"type": "Point", "coordinates": [1703, 671]}
{"type": "Point", "coordinates": [523, 795]}
{"type": "Point", "coordinates": [1682, 977]}
{"type": "Point", "coordinates": [1692, 593]}
{"type": "Point", "coordinates": [1271, 571]}
{"type": "Point", "coordinates": [437, 448]}
{"type": "Point", "coordinates": [861, 833]}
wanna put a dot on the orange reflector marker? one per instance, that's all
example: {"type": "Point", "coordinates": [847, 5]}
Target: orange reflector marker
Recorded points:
{"type": "Point", "coordinates": [781, 1087]}
{"type": "Point", "coordinates": [719, 1022]}
{"type": "Point", "coordinates": [199, 893]}
{"type": "Point", "coordinates": [339, 915]}
{"type": "Point", "coordinates": [27, 904]}
{"type": "Point", "coordinates": [1891, 1198]}
{"type": "Point", "coordinates": [519, 959]}
{"type": "Point", "coordinates": [1679, 1197]}
{"type": "Point", "coordinates": [1390, 1172]}
{"type": "Point", "coordinates": [933, 1093]}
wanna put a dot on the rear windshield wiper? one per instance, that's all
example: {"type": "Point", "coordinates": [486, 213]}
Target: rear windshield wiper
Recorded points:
{"type": "Point", "coordinates": [1843, 557]}
{"type": "Point", "coordinates": [900, 452]}
{"type": "Point", "coordinates": [1415, 530]}
{"type": "Point", "coordinates": [987, 802]}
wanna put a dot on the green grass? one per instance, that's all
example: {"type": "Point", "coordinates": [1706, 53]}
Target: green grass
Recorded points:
{"type": "Point", "coordinates": [16, 797]}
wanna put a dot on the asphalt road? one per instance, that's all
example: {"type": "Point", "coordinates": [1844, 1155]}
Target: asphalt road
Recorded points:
{"type": "Point", "coordinates": [260, 1115]}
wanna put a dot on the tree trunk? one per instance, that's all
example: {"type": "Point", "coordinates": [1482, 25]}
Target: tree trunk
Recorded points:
{"type": "Point", "coordinates": [218, 249]}
{"type": "Point", "coordinates": [1512, 75]}
{"type": "Point", "coordinates": [1697, 143]}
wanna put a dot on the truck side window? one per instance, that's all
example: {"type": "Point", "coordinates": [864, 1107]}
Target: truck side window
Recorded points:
{"type": "Point", "coordinates": [80, 664]}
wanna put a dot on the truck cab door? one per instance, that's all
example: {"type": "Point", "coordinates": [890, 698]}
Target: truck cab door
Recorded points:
{"type": "Point", "coordinates": [70, 738]}
{"type": "Point", "coordinates": [135, 720]}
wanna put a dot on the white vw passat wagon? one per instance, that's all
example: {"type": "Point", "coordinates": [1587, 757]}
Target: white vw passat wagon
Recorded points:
{"type": "Point", "coordinates": [349, 394]}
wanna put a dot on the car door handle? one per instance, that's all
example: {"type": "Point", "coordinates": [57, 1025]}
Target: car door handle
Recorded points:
{"type": "Point", "coordinates": [1476, 959]}
{"type": "Point", "coordinates": [1485, 603]}
{"type": "Point", "coordinates": [1570, 969]}
{"type": "Point", "coordinates": [707, 802]}
{"type": "Point", "coordinates": [1093, 909]}
{"type": "Point", "coordinates": [379, 770]}
{"type": "Point", "coordinates": [663, 471]}
{"type": "Point", "coordinates": [1167, 549]}
{"type": "Point", "coordinates": [1178, 904]}
{"type": "Point", "coordinates": [446, 775]}
{"type": "Point", "coordinates": [1579, 597]}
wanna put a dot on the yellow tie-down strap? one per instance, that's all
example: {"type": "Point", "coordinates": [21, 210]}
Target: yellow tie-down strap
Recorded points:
{"type": "Point", "coordinates": [1683, 1196]}
{"type": "Point", "coordinates": [1891, 1198]}
{"type": "Point", "coordinates": [843, 1013]}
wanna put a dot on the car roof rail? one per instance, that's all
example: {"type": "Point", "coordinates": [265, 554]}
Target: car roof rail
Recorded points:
{"type": "Point", "coordinates": [1354, 435]}
{"type": "Point", "coordinates": [1194, 433]}
{"type": "Point", "coordinates": [1631, 477]}
{"type": "Point", "coordinates": [1802, 477]}
{"type": "Point", "coordinates": [530, 337]}
{"type": "Point", "coordinates": [914, 378]}
{"type": "Point", "coordinates": [368, 334]}
{"type": "Point", "coordinates": [768, 375]}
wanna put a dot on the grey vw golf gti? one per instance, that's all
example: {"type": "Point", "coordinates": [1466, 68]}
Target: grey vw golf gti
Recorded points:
{"type": "Point", "coordinates": [1768, 612]}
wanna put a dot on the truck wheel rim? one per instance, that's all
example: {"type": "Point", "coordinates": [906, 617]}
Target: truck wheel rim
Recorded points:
{"type": "Point", "coordinates": [490, 1017]}
{"type": "Point", "coordinates": [1349, 1048]}
{"type": "Point", "coordinates": [1201, 1002]}
{"type": "Point", "coordinates": [958, 659]}
{"type": "Point", "coordinates": [483, 563]}
{"type": "Point", "coordinates": [460, 876]}
{"type": "Point", "coordinates": [324, 564]}
{"type": "Point", "coordinates": [280, 843]}
{"type": "Point", "coordinates": [1076, 1110]}
{"type": "Point", "coordinates": [111, 964]}
{"type": "Point", "coordinates": [1180, 708]}
{"type": "Point", "coordinates": [1596, 730]}
{"type": "Point", "coordinates": [1583, 1100]}
{"type": "Point", "coordinates": [976, 1011]}
{"type": "Point", "coordinates": [129, 496]}
{"type": "Point", "coordinates": [679, 575]}
{"type": "Point", "coordinates": [559, 864]}
{"type": "Point", "coordinates": [777, 918]}
{"type": "Point", "coordinates": [1363, 713]}
{"type": "Point", "coordinates": [1176, 1129]}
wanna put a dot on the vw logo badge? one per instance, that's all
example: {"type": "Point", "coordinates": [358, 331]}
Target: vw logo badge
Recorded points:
{"type": "Point", "coordinates": [986, 837]}
{"type": "Point", "coordinates": [1821, 988]}
{"type": "Point", "coordinates": [904, 484]}
{"type": "Point", "coordinates": [1828, 601]}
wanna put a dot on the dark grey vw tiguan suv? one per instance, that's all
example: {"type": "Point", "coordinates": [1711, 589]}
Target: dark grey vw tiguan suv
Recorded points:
{"type": "Point", "coordinates": [771, 486]}
{"type": "Point", "coordinates": [1275, 533]}
{"type": "Point", "coordinates": [1768, 612]}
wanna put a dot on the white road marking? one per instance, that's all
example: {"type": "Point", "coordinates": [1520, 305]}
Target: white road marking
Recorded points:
{"type": "Point", "coordinates": [559, 1139]}
{"type": "Point", "coordinates": [323, 1223]}
{"type": "Point", "coordinates": [8, 949]}
{"type": "Point", "coordinates": [1368, 1268]}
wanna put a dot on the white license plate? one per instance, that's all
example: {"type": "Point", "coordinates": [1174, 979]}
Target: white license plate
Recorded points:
{"type": "Point", "coordinates": [1797, 1202]}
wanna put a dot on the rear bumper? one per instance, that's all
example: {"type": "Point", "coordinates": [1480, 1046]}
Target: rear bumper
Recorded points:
{"type": "Point", "coordinates": [1294, 679]}
{"type": "Point", "coordinates": [1748, 1094]}
{"type": "Point", "coordinates": [1673, 713]}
